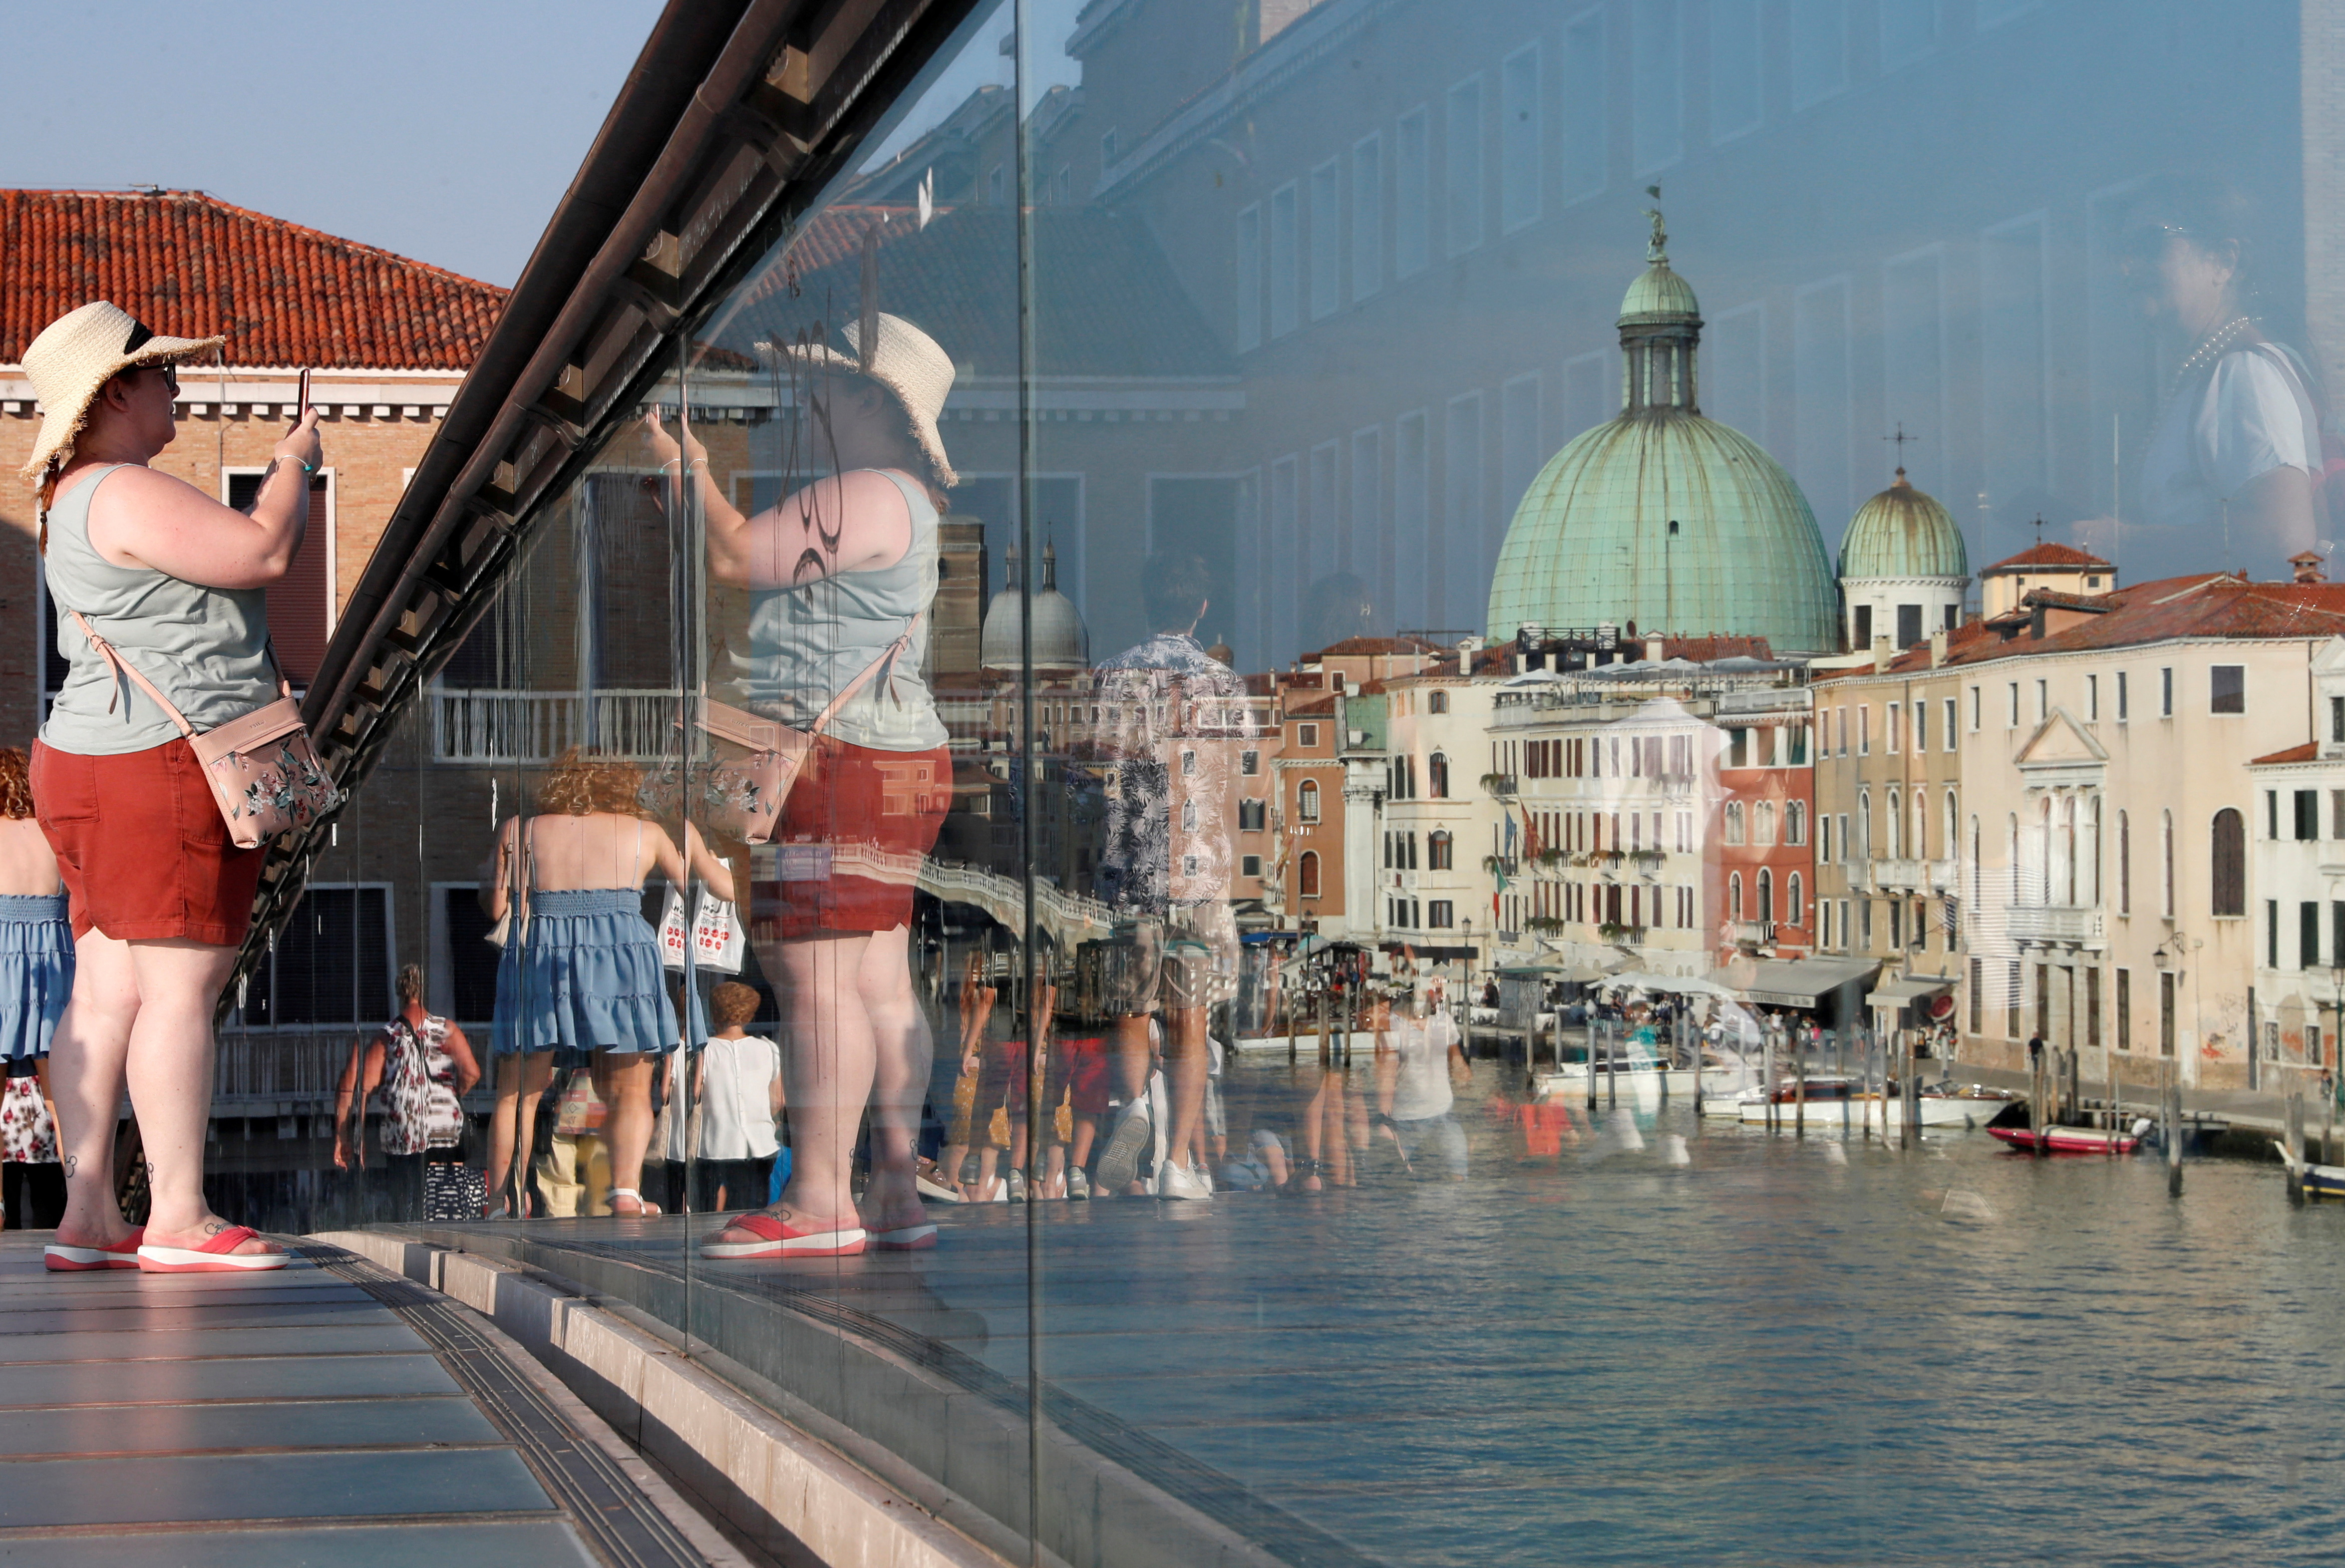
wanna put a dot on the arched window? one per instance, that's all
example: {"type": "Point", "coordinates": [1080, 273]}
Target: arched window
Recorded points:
{"type": "Point", "coordinates": [1438, 854]}
{"type": "Point", "coordinates": [1792, 910]}
{"type": "Point", "coordinates": [1734, 834]}
{"type": "Point", "coordinates": [1307, 874]}
{"type": "Point", "coordinates": [1734, 896]}
{"type": "Point", "coordinates": [1306, 801]}
{"type": "Point", "coordinates": [2011, 850]}
{"type": "Point", "coordinates": [1950, 845]}
{"type": "Point", "coordinates": [1864, 825]}
{"type": "Point", "coordinates": [2125, 863]}
{"type": "Point", "coordinates": [1437, 775]}
{"type": "Point", "coordinates": [2230, 863]}
{"type": "Point", "coordinates": [1795, 822]}
{"type": "Point", "coordinates": [1921, 805]}
{"type": "Point", "coordinates": [1894, 822]}
{"type": "Point", "coordinates": [1978, 872]}
{"type": "Point", "coordinates": [1766, 894]}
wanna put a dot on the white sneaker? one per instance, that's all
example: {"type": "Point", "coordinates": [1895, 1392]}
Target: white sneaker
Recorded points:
{"type": "Point", "coordinates": [1078, 1186]}
{"type": "Point", "coordinates": [1119, 1163]}
{"type": "Point", "coordinates": [1180, 1181]}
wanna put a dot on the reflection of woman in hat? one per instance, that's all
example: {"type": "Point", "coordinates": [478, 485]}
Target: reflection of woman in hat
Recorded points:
{"type": "Point", "coordinates": [840, 572]}
{"type": "Point", "coordinates": [161, 894]}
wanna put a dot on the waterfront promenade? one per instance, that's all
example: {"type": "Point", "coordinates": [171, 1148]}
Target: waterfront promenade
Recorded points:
{"type": "Point", "coordinates": [325, 1413]}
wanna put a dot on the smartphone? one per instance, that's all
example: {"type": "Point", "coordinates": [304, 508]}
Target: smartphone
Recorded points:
{"type": "Point", "coordinates": [301, 396]}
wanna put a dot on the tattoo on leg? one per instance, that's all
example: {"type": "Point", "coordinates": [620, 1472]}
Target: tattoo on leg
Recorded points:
{"type": "Point", "coordinates": [149, 1166]}
{"type": "Point", "coordinates": [71, 1161]}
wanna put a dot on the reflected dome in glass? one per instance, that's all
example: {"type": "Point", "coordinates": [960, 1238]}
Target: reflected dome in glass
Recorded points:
{"type": "Point", "coordinates": [1661, 517]}
{"type": "Point", "coordinates": [1061, 642]}
{"type": "Point", "coordinates": [1904, 533]}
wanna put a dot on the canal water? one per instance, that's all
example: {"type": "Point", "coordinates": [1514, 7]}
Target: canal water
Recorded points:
{"type": "Point", "coordinates": [1782, 1350]}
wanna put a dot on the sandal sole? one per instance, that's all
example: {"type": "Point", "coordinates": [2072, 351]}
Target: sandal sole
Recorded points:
{"type": "Point", "coordinates": [188, 1260]}
{"type": "Point", "coordinates": [821, 1244]}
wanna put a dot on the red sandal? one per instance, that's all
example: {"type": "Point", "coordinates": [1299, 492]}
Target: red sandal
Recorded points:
{"type": "Point", "coordinates": [218, 1255]}
{"type": "Point", "coordinates": [65, 1258]}
{"type": "Point", "coordinates": [778, 1240]}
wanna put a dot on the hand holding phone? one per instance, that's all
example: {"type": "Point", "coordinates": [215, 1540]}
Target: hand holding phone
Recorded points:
{"type": "Point", "coordinates": [301, 398]}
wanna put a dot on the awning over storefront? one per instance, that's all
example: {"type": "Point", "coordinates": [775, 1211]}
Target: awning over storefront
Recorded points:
{"type": "Point", "coordinates": [1912, 988]}
{"type": "Point", "coordinates": [1678, 984]}
{"type": "Point", "coordinates": [1794, 981]}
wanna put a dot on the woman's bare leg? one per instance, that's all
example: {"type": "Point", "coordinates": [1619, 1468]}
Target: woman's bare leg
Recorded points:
{"type": "Point", "coordinates": [629, 1131]}
{"type": "Point", "coordinates": [827, 1067]}
{"type": "Point", "coordinates": [87, 1061]}
{"type": "Point", "coordinates": [513, 1126]}
{"type": "Point", "coordinates": [170, 1070]}
{"type": "Point", "coordinates": [903, 1047]}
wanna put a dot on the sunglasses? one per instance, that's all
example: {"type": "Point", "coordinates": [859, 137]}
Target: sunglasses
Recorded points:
{"type": "Point", "coordinates": [170, 377]}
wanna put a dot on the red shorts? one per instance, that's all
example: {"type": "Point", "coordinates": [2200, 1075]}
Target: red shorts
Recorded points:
{"type": "Point", "coordinates": [1081, 1067]}
{"type": "Point", "coordinates": [852, 837]}
{"type": "Point", "coordinates": [141, 845]}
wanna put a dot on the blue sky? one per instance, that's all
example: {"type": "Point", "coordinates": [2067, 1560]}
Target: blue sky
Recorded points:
{"type": "Point", "coordinates": [442, 130]}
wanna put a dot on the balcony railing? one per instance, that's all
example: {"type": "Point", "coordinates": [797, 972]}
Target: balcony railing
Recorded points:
{"type": "Point", "coordinates": [493, 727]}
{"type": "Point", "coordinates": [2046, 924]}
{"type": "Point", "coordinates": [1908, 875]}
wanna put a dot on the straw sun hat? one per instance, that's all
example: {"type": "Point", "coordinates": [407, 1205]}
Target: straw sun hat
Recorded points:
{"type": "Point", "coordinates": [909, 363]}
{"type": "Point", "coordinates": [79, 353]}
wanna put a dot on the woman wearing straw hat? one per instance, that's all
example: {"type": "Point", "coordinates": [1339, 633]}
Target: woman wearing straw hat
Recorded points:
{"type": "Point", "coordinates": [841, 574]}
{"type": "Point", "coordinates": [161, 894]}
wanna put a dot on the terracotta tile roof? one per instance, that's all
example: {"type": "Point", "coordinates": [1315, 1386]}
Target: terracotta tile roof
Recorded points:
{"type": "Point", "coordinates": [2060, 557]}
{"type": "Point", "coordinates": [1969, 634]}
{"type": "Point", "coordinates": [2202, 606]}
{"type": "Point", "coordinates": [189, 265]}
{"type": "Point", "coordinates": [2303, 753]}
{"type": "Point", "coordinates": [1312, 707]}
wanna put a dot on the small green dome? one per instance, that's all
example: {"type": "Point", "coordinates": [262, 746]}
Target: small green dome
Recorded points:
{"type": "Point", "coordinates": [1673, 521]}
{"type": "Point", "coordinates": [1903, 533]}
{"type": "Point", "coordinates": [1658, 294]}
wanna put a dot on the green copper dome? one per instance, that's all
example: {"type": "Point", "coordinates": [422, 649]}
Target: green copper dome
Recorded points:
{"type": "Point", "coordinates": [1902, 532]}
{"type": "Point", "coordinates": [1661, 517]}
{"type": "Point", "coordinates": [1657, 293]}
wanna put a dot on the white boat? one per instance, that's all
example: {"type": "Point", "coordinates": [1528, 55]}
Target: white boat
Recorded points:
{"type": "Point", "coordinates": [1834, 1102]}
{"type": "Point", "coordinates": [1643, 1087]}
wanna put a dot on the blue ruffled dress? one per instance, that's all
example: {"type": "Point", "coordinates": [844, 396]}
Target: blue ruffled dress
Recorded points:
{"type": "Point", "coordinates": [585, 974]}
{"type": "Point", "coordinates": [36, 971]}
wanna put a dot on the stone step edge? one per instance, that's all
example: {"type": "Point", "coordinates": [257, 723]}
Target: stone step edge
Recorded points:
{"type": "Point", "coordinates": [771, 1474]}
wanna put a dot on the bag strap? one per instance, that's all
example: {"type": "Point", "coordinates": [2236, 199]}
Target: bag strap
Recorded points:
{"type": "Point", "coordinates": [887, 656]}
{"type": "Point", "coordinates": [122, 666]}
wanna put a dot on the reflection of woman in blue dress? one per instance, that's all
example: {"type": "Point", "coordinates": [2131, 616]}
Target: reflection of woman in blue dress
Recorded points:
{"type": "Point", "coordinates": [581, 969]}
{"type": "Point", "coordinates": [37, 972]}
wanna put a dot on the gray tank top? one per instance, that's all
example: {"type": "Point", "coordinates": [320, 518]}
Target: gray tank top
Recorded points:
{"type": "Point", "coordinates": [805, 643]}
{"type": "Point", "coordinates": [207, 648]}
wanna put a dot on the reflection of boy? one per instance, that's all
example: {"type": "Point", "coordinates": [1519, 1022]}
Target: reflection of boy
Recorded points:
{"type": "Point", "coordinates": [1417, 1059]}
{"type": "Point", "coordinates": [1173, 714]}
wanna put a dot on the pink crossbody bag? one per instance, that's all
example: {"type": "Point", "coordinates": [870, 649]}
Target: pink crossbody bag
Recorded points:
{"type": "Point", "coordinates": [265, 775]}
{"type": "Point", "coordinates": [744, 793]}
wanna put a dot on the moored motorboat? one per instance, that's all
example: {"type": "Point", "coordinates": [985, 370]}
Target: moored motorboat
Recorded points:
{"type": "Point", "coordinates": [2074, 1139]}
{"type": "Point", "coordinates": [2312, 1179]}
{"type": "Point", "coordinates": [1974, 1106]}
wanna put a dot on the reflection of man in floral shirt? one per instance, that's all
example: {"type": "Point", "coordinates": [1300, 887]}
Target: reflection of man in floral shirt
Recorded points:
{"type": "Point", "coordinates": [1172, 718]}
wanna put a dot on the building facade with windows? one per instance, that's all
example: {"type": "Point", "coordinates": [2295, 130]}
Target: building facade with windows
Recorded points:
{"type": "Point", "coordinates": [2298, 881]}
{"type": "Point", "coordinates": [2106, 807]}
{"type": "Point", "coordinates": [1890, 842]}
